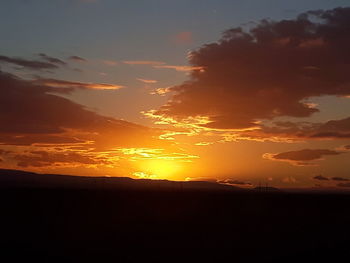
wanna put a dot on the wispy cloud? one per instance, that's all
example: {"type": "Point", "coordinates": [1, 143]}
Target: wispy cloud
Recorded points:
{"type": "Point", "coordinates": [77, 58]}
{"type": "Point", "coordinates": [179, 68]}
{"type": "Point", "coordinates": [71, 84]}
{"type": "Point", "coordinates": [148, 81]}
{"type": "Point", "coordinates": [51, 59]}
{"type": "Point", "coordinates": [143, 62]}
{"type": "Point", "coordinates": [29, 64]}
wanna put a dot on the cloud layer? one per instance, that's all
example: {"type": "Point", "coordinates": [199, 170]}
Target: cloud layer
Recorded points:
{"type": "Point", "coordinates": [269, 71]}
{"type": "Point", "coordinates": [50, 63]}
{"type": "Point", "coordinates": [301, 157]}
{"type": "Point", "coordinates": [44, 129]}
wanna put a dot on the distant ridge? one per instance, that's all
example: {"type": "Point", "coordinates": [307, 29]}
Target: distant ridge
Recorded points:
{"type": "Point", "coordinates": [23, 179]}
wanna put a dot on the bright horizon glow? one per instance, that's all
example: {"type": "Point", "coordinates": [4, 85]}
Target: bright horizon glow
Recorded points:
{"type": "Point", "coordinates": [160, 169]}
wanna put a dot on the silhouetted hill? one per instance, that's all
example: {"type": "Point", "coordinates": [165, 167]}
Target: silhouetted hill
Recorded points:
{"type": "Point", "coordinates": [22, 179]}
{"type": "Point", "coordinates": [57, 218]}
{"type": "Point", "coordinates": [267, 189]}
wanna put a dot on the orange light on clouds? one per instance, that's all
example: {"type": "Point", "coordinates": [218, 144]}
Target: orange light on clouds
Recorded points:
{"type": "Point", "coordinates": [147, 81]}
{"type": "Point", "coordinates": [55, 83]}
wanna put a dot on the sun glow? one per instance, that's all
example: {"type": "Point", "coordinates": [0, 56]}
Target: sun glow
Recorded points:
{"type": "Point", "coordinates": [160, 169]}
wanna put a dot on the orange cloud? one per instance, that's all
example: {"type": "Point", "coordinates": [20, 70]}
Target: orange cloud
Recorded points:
{"type": "Point", "coordinates": [148, 81]}
{"type": "Point", "coordinates": [181, 68]}
{"type": "Point", "coordinates": [50, 131]}
{"type": "Point", "coordinates": [160, 91]}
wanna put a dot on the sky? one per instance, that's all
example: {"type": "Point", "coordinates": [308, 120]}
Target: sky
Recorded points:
{"type": "Point", "coordinates": [237, 92]}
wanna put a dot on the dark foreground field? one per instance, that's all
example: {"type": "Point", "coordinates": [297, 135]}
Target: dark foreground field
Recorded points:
{"type": "Point", "coordinates": [106, 225]}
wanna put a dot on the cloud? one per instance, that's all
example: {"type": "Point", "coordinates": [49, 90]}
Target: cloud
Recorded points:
{"type": "Point", "coordinates": [267, 72]}
{"type": "Point", "coordinates": [77, 58]}
{"type": "Point", "coordinates": [39, 139]}
{"type": "Point", "coordinates": [160, 91]}
{"type": "Point", "coordinates": [52, 59]}
{"type": "Point", "coordinates": [300, 157]}
{"type": "Point", "coordinates": [333, 129]}
{"type": "Point", "coordinates": [321, 178]}
{"type": "Point", "coordinates": [148, 81]}
{"type": "Point", "coordinates": [143, 62]}
{"type": "Point", "coordinates": [43, 129]}
{"type": "Point", "coordinates": [203, 143]}
{"type": "Point", "coordinates": [163, 65]}
{"type": "Point", "coordinates": [28, 107]}
{"type": "Point", "coordinates": [43, 158]}
{"type": "Point", "coordinates": [55, 83]}
{"type": "Point", "coordinates": [340, 179]}
{"type": "Point", "coordinates": [180, 68]}
{"type": "Point", "coordinates": [29, 64]}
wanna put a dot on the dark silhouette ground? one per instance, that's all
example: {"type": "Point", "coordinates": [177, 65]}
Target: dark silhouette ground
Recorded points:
{"type": "Point", "coordinates": [159, 224]}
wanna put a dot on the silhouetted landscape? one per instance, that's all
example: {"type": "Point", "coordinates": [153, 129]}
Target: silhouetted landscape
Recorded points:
{"type": "Point", "coordinates": [57, 218]}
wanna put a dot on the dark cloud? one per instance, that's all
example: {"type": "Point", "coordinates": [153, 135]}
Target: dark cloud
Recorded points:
{"type": "Point", "coordinates": [30, 64]}
{"type": "Point", "coordinates": [43, 158]}
{"type": "Point", "coordinates": [33, 115]}
{"type": "Point", "coordinates": [333, 129]}
{"type": "Point", "coordinates": [340, 179]}
{"type": "Point", "coordinates": [320, 178]}
{"type": "Point", "coordinates": [301, 157]}
{"type": "Point", "coordinates": [77, 58]}
{"type": "Point", "coordinates": [30, 139]}
{"type": "Point", "coordinates": [269, 71]}
{"type": "Point", "coordinates": [29, 109]}
{"type": "Point", "coordinates": [52, 59]}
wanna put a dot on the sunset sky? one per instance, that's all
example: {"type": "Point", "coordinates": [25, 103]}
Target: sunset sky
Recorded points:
{"type": "Point", "coordinates": [238, 92]}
